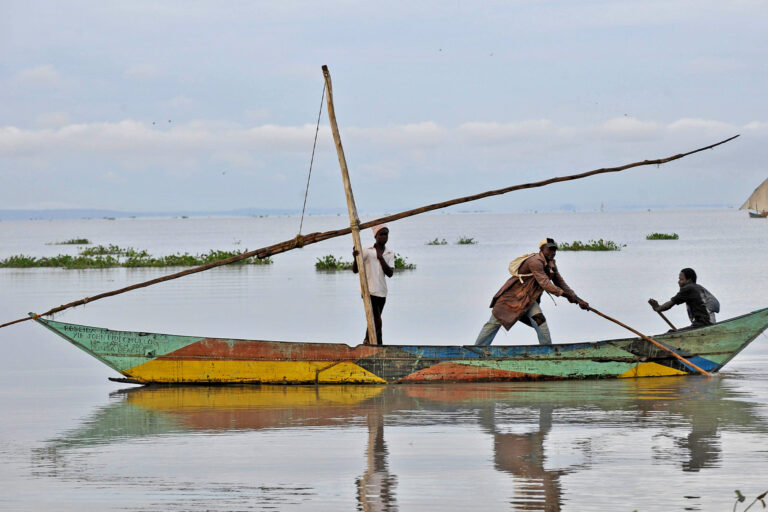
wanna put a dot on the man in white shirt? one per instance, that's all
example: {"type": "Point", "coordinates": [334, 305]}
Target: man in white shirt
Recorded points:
{"type": "Point", "coordinates": [379, 263]}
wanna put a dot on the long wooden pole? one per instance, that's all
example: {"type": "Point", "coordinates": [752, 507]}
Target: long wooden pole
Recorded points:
{"type": "Point", "coordinates": [667, 320]}
{"type": "Point", "coordinates": [650, 301]}
{"type": "Point", "coordinates": [354, 220]}
{"type": "Point", "coordinates": [312, 238]}
{"type": "Point", "coordinates": [654, 342]}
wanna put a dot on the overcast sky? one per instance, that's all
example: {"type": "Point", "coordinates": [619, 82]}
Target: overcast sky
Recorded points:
{"type": "Point", "coordinates": [168, 105]}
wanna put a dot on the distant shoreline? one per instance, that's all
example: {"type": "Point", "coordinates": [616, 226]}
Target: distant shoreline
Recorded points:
{"type": "Point", "coordinates": [97, 214]}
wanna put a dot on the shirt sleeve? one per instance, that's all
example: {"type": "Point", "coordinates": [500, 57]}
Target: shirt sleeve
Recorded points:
{"type": "Point", "coordinates": [559, 281]}
{"type": "Point", "coordinates": [536, 266]}
{"type": "Point", "coordinates": [683, 295]}
{"type": "Point", "coordinates": [389, 258]}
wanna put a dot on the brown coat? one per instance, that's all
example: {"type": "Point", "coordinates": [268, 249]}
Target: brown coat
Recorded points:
{"type": "Point", "coordinates": [515, 297]}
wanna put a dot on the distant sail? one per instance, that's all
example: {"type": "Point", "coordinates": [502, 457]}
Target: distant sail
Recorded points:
{"type": "Point", "coordinates": [758, 200]}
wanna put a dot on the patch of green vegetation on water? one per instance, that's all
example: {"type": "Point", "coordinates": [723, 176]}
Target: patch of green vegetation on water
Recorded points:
{"type": "Point", "coordinates": [115, 256]}
{"type": "Point", "coordinates": [100, 250]}
{"type": "Point", "coordinates": [72, 241]}
{"type": "Point", "coordinates": [60, 261]}
{"type": "Point", "coordinates": [437, 242]}
{"type": "Point", "coordinates": [402, 264]}
{"type": "Point", "coordinates": [592, 245]}
{"type": "Point", "coordinates": [465, 240]}
{"type": "Point", "coordinates": [662, 236]}
{"type": "Point", "coordinates": [330, 262]}
{"type": "Point", "coordinates": [142, 259]}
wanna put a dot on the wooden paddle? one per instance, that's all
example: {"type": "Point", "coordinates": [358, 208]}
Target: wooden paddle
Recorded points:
{"type": "Point", "coordinates": [651, 340]}
{"type": "Point", "coordinates": [667, 320]}
{"type": "Point", "coordinates": [651, 301]}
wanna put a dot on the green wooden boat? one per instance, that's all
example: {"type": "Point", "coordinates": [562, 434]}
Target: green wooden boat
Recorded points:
{"type": "Point", "coordinates": [149, 358]}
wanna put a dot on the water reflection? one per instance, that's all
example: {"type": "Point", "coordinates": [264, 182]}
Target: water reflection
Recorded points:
{"type": "Point", "coordinates": [522, 456]}
{"type": "Point", "coordinates": [521, 421]}
{"type": "Point", "coordinates": [376, 488]}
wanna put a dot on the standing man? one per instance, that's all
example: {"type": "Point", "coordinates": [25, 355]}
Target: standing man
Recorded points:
{"type": "Point", "coordinates": [379, 263]}
{"type": "Point", "coordinates": [692, 295]}
{"type": "Point", "coordinates": [519, 298]}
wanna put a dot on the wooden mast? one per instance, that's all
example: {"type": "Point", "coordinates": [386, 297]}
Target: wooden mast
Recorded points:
{"type": "Point", "coordinates": [354, 220]}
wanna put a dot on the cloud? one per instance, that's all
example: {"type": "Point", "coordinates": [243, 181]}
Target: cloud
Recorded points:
{"type": "Point", "coordinates": [500, 133]}
{"type": "Point", "coordinates": [717, 65]}
{"type": "Point", "coordinates": [426, 133]}
{"type": "Point", "coordinates": [381, 171]}
{"type": "Point", "coordinates": [386, 152]}
{"type": "Point", "coordinates": [113, 178]}
{"type": "Point", "coordinates": [276, 137]}
{"type": "Point", "coordinates": [396, 162]}
{"type": "Point", "coordinates": [238, 159]}
{"type": "Point", "coordinates": [141, 72]}
{"type": "Point", "coordinates": [180, 102]}
{"type": "Point", "coordinates": [702, 125]}
{"type": "Point", "coordinates": [52, 119]}
{"type": "Point", "coordinates": [756, 126]}
{"type": "Point", "coordinates": [233, 142]}
{"type": "Point", "coordinates": [257, 114]}
{"type": "Point", "coordinates": [630, 128]}
{"type": "Point", "coordinates": [44, 76]}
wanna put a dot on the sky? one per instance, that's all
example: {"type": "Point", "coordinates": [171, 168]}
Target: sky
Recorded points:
{"type": "Point", "coordinates": [194, 105]}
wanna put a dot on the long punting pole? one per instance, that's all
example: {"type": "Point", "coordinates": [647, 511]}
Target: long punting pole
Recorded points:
{"type": "Point", "coordinates": [653, 341]}
{"type": "Point", "coordinates": [312, 238]}
{"type": "Point", "coordinates": [354, 220]}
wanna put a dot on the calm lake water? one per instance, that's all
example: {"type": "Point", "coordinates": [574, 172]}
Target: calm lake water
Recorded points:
{"type": "Point", "coordinates": [72, 440]}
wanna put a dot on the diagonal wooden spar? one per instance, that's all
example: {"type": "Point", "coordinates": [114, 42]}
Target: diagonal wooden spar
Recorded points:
{"type": "Point", "coordinates": [311, 238]}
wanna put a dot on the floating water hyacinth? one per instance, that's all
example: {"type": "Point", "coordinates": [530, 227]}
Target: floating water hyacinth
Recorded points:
{"type": "Point", "coordinates": [402, 264]}
{"type": "Point", "coordinates": [662, 236]}
{"type": "Point", "coordinates": [330, 262]}
{"type": "Point", "coordinates": [72, 241]}
{"type": "Point", "coordinates": [592, 245]}
{"type": "Point", "coordinates": [115, 256]}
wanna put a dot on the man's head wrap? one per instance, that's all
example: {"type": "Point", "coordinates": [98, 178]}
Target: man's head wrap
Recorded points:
{"type": "Point", "coordinates": [378, 228]}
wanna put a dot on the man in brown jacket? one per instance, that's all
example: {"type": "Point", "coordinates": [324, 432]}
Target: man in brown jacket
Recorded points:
{"type": "Point", "coordinates": [519, 298]}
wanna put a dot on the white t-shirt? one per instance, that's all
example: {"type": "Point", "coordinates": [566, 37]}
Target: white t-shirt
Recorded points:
{"type": "Point", "coordinates": [377, 284]}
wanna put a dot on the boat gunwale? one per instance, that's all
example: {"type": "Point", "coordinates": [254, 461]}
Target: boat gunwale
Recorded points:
{"type": "Point", "coordinates": [483, 352]}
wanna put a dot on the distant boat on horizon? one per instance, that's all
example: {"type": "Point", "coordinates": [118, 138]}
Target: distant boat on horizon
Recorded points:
{"type": "Point", "coordinates": [758, 202]}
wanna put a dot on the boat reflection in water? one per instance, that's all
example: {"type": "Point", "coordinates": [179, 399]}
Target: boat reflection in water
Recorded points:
{"type": "Point", "coordinates": [686, 415]}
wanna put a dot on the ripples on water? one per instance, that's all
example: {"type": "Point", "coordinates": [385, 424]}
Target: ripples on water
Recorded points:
{"type": "Point", "coordinates": [69, 440]}
{"type": "Point", "coordinates": [531, 446]}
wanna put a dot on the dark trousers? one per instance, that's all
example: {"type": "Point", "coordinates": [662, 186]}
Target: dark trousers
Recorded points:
{"type": "Point", "coordinates": [377, 304]}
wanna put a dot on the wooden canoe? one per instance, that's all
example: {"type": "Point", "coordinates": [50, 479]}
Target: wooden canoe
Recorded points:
{"type": "Point", "coordinates": [149, 358]}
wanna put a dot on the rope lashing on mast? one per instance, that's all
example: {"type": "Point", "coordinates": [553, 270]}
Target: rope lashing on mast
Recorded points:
{"type": "Point", "coordinates": [312, 238]}
{"type": "Point", "coordinates": [311, 161]}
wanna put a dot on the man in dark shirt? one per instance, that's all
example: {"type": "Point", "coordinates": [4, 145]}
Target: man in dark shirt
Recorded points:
{"type": "Point", "coordinates": [690, 293]}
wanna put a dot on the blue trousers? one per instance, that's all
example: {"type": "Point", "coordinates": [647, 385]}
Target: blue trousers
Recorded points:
{"type": "Point", "coordinates": [491, 327]}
